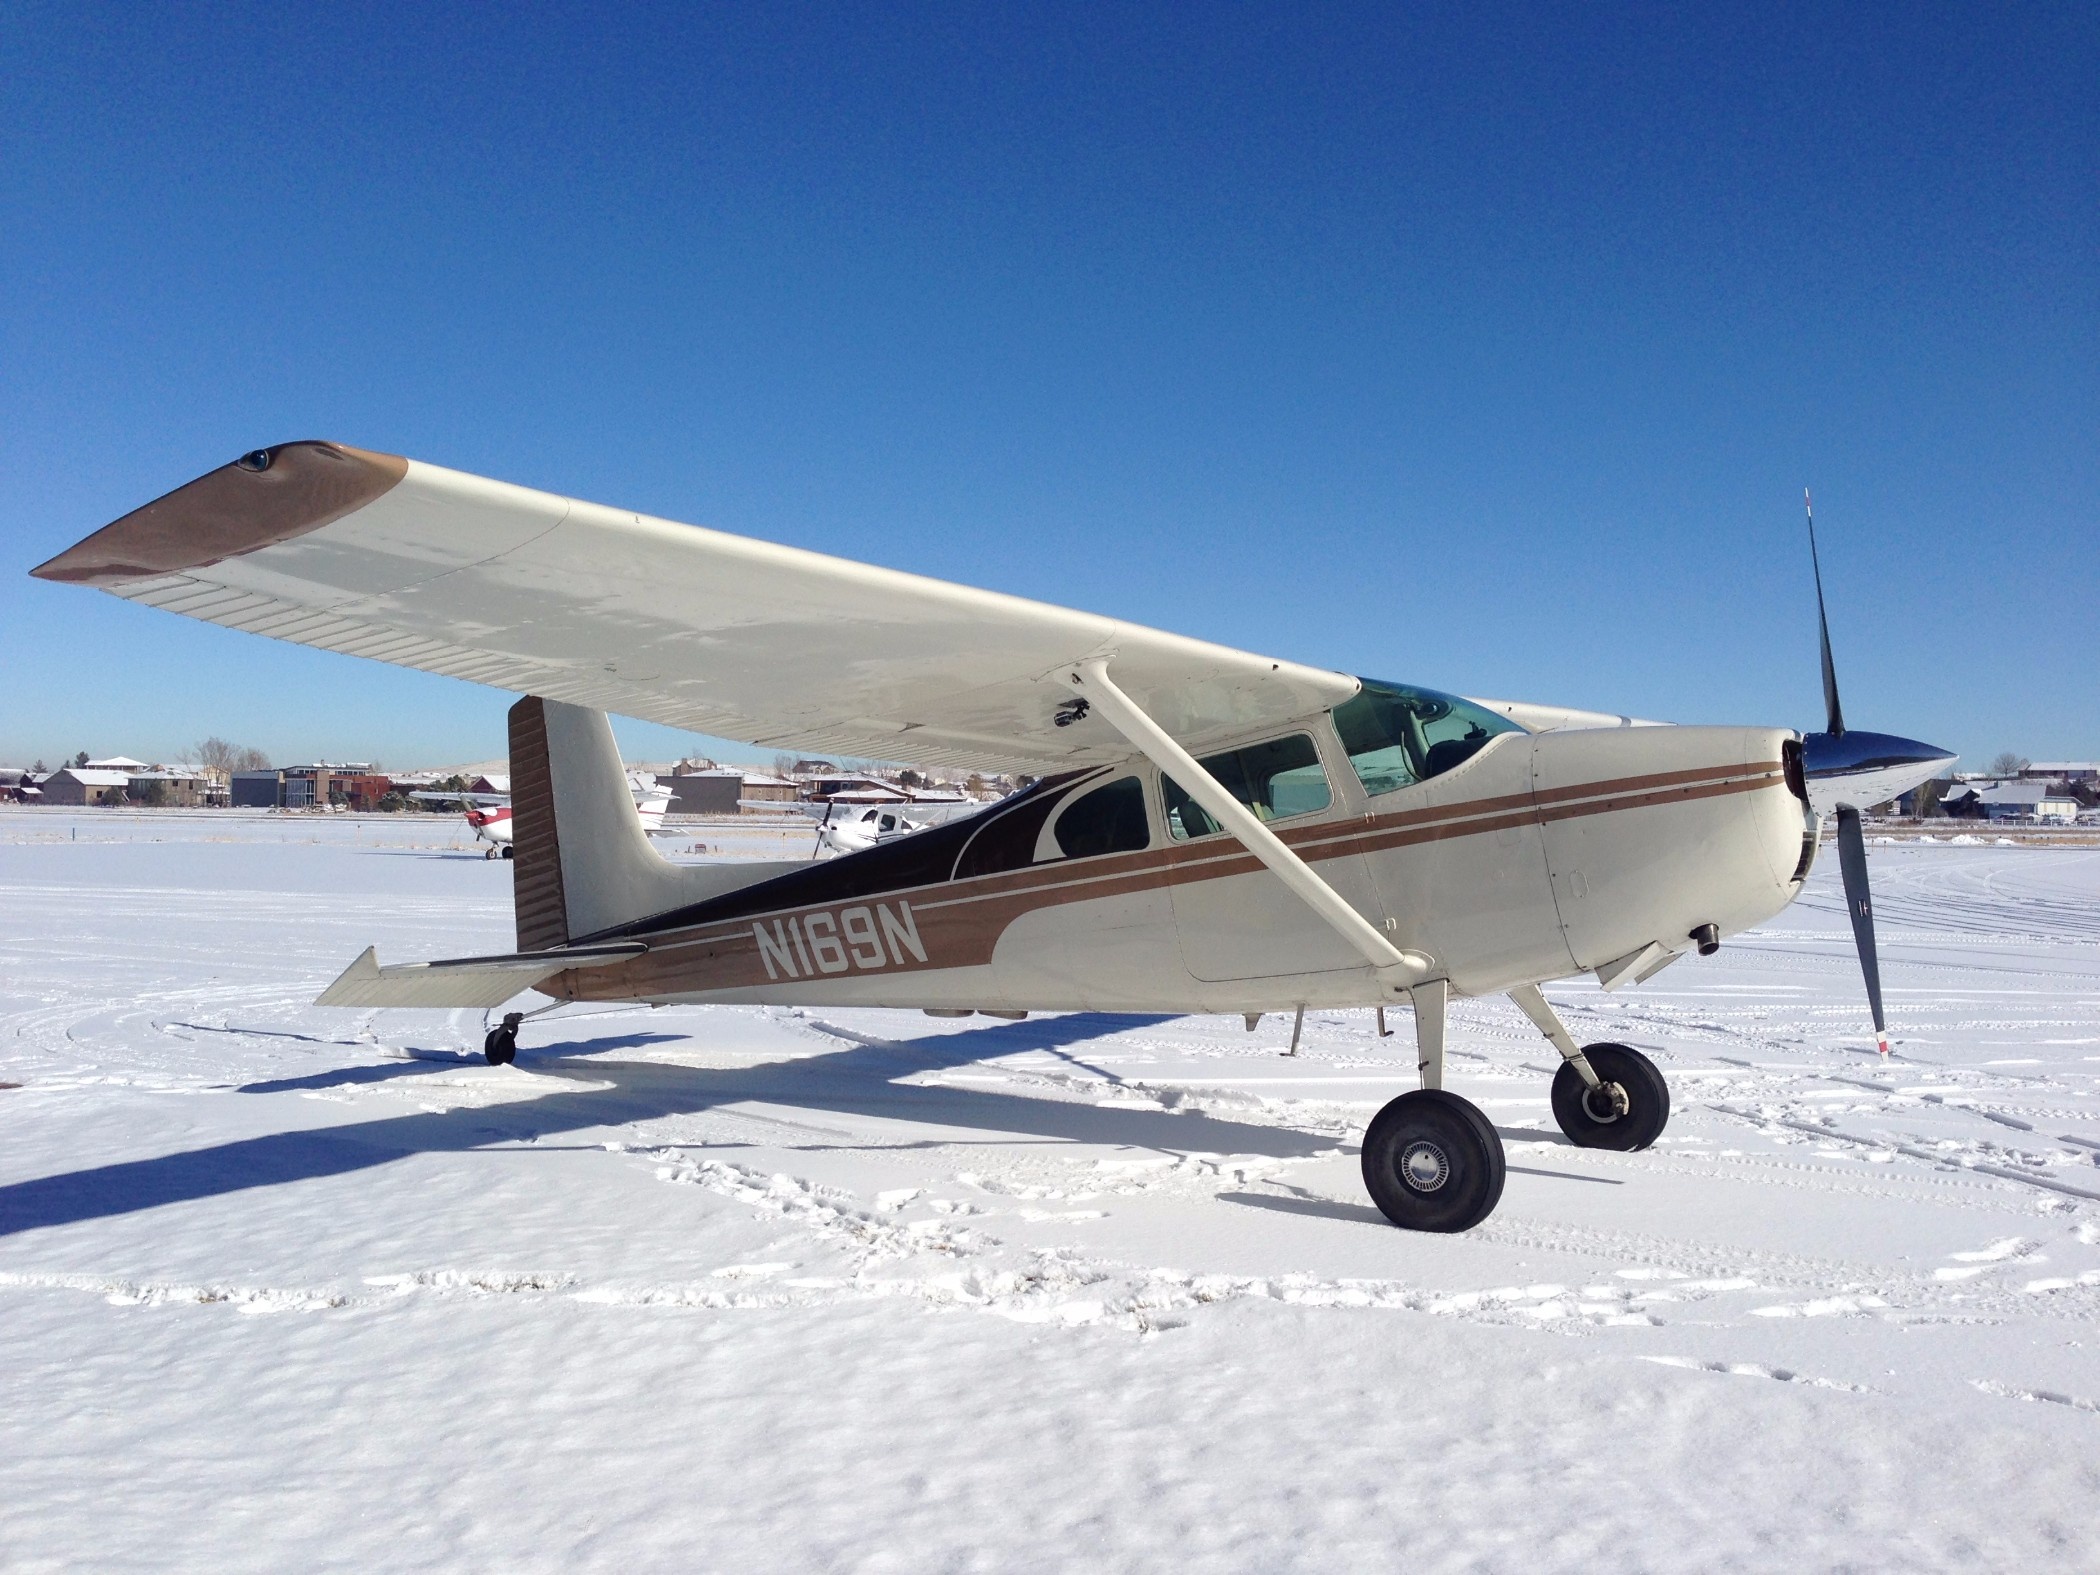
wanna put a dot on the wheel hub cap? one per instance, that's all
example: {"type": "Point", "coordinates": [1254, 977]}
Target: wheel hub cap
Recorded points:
{"type": "Point", "coordinates": [1423, 1166]}
{"type": "Point", "coordinates": [1607, 1103]}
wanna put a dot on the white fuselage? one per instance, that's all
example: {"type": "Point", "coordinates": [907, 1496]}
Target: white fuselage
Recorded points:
{"type": "Point", "coordinates": [1541, 856]}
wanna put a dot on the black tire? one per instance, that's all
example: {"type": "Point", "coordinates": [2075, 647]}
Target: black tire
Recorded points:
{"type": "Point", "coordinates": [1591, 1120]}
{"type": "Point", "coordinates": [501, 1047]}
{"type": "Point", "coordinates": [508, 852]}
{"type": "Point", "coordinates": [1432, 1161]}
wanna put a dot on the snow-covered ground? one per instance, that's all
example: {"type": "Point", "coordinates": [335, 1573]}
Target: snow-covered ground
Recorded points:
{"type": "Point", "coordinates": [735, 1288]}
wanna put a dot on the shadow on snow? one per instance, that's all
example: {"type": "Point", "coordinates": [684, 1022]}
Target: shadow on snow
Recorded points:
{"type": "Point", "coordinates": [861, 1080]}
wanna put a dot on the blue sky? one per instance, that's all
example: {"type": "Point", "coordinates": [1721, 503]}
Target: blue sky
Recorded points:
{"type": "Point", "coordinates": [1487, 348]}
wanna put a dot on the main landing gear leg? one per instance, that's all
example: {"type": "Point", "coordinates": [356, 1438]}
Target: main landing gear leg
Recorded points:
{"type": "Point", "coordinates": [1429, 1002]}
{"type": "Point", "coordinates": [1604, 1095]}
{"type": "Point", "coordinates": [501, 1045]}
{"type": "Point", "coordinates": [1433, 1161]}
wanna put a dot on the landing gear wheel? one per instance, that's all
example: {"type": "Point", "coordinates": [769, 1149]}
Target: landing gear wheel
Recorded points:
{"type": "Point", "coordinates": [1627, 1113]}
{"type": "Point", "coordinates": [508, 852]}
{"type": "Point", "coordinates": [501, 1045]}
{"type": "Point", "coordinates": [1432, 1161]}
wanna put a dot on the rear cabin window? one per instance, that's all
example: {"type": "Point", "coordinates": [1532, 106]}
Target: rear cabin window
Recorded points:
{"type": "Point", "coordinates": [1275, 780]}
{"type": "Point", "coordinates": [1110, 819]}
{"type": "Point", "coordinates": [1397, 736]}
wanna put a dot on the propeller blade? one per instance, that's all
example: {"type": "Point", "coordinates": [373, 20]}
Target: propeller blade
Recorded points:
{"type": "Point", "coordinates": [1859, 903]}
{"type": "Point", "coordinates": [1832, 710]}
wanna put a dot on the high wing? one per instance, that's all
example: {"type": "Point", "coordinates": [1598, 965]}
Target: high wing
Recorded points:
{"type": "Point", "coordinates": [424, 567]}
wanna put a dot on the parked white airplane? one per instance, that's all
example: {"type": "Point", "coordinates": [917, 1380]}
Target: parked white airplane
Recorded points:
{"type": "Point", "coordinates": [1213, 831]}
{"type": "Point", "coordinates": [847, 823]}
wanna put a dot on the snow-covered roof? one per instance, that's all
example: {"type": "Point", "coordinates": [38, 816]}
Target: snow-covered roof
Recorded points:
{"type": "Point", "coordinates": [2016, 793]}
{"type": "Point", "coordinates": [88, 776]}
{"type": "Point", "coordinates": [115, 763]}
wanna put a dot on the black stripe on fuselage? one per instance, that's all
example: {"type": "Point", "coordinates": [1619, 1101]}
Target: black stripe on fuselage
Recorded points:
{"type": "Point", "coordinates": [924, 858]}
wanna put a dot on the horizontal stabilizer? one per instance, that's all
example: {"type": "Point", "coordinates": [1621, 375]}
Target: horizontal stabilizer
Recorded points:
{"type": "Point", "coordinates": [462, 981]}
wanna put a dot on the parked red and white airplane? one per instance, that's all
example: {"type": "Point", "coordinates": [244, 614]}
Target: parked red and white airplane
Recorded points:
{"type": "Point", "coordinates": [494, 826]}
{"type": "Point", "coordinates": [493, 819]}
{"type": "Point", "coordinates": [1211, 830]}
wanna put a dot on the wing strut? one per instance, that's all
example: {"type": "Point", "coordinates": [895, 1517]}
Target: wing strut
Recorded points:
{"type": "Point", "coordinates": [1398, 971]}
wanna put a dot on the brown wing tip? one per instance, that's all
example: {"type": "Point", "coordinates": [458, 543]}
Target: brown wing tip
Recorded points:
{"type": "Point", "coordinates": [264, 497]}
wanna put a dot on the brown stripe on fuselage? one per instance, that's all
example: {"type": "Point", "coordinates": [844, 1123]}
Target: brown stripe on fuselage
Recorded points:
{"type": "Point", "coordinates": [961, 921]}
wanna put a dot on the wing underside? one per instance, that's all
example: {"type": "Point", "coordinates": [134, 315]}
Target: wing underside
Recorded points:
{"type": "Point", "coordinates": [429, 568]}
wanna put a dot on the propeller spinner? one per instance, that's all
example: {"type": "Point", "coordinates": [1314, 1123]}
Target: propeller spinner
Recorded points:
{"type": "Point", "coordinates": [1844, 773]}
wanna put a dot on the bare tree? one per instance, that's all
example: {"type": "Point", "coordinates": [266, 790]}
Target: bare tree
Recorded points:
{"type": "Point", "coordinates": [783, 765]}
{"type": "Point", "coordinates": [2009, 764]}
{"type": "Point", "coordinates": [215, 755]}
{"type": "Point", "coordinates": [221, 759]}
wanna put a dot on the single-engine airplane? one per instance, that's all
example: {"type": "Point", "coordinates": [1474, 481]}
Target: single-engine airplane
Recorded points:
{"type": "Point", "coordinates": [492, 818]}
{"type": "Point", "coordinates": [1210, 831]}
{"type": "Point", "coordinates": [488, 816]}
{"type": "Point", "coordinates": [846, 824]}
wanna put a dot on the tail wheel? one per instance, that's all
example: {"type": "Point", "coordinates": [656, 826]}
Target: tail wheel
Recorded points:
{"type": "Point", "coordinates": [1433, 1162]}
{"type": "Point", "coordinates": [501, 1046]}
{"type": "Point", "coordinates": [1628, 1112]}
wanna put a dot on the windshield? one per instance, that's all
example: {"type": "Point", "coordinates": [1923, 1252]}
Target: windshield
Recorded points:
{"type": "Point", "coordinates": [1397, 735]}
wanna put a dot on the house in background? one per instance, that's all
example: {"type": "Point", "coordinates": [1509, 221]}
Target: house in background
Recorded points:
{"type": "Point", "coordinates": [762, 787]}
{"type": "Point", "coordinates": [715, 791]}
{"type": "Point", "coordinates": [82, 786]}
{"type": "Point", "coordinates": [725, 790]}
{"type": "Point", "coordinates": [2064, 773]}
{"type": "Point", "coordinates": [174, 787]}
{"type": "Point", "coordinates": [2023, 801]}
{"type": "Point", "coordinates": [257, 789]}
{"type": "Point", "coordinates": [352, 783]}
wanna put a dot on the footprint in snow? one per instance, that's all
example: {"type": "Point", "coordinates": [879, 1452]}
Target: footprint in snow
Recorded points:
{"type": "Point", "coordinates": [1756, 1370]}
{"type": "Point", "coordinates": [1967, 1265]}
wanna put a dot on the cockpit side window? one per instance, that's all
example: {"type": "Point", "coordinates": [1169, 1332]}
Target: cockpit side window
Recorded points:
{"type": "Point", "coordinates": [1110, 819]}
{"type": "Point", "coordinates": [1280, 778]}
{"type": "Point", "coordinates": [1397, 736]}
